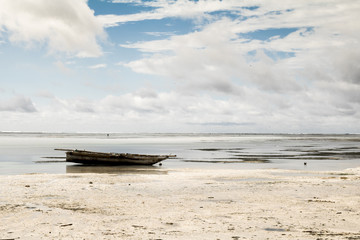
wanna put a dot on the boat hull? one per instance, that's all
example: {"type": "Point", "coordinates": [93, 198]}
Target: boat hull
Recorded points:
{"type": "Point", "coordinates": [97, 158]}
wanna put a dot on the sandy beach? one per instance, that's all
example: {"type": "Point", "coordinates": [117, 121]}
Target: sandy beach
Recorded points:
{"type": "Point", "coordinates": [182, 204]}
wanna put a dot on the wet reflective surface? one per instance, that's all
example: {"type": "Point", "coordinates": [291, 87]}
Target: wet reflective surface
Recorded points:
{"type": "Point", "coordinates": [78, 168]}
{"type": "Point", "coordinates": [22, 153]}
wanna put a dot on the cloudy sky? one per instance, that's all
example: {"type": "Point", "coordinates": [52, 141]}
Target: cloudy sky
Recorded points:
{"type": "Point", "coordinates": [256, 66]}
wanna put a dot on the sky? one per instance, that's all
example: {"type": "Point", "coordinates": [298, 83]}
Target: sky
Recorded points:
{"type": "Point", "coordinates": [229, 66]}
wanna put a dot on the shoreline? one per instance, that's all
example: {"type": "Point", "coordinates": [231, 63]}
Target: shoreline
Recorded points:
{"type": "Point", "coordinates": [29, 153]}
{"type": "Point", "coordinates": [182, 204]}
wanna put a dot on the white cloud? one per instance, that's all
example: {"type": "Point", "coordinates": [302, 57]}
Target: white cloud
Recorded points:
{"type": "Point", "coordinates": [159, 34]}
{"type": "Point", "coordinates": [63, 26]}
{"type": "Point", "coordinates": [316, 80]}
{"type": "Point", "coordinates": [127, 1]}
{"type": "Point", "coordinates": [219, 52]}
{"type": "Point", "coordinates": [211, 59]}
{"type": "Point", "coordinates": [181, 9]}
{"type": "Point", "coordinates": [62, 67]}
{"type": "Point", "coordinates": [151, 111]}
{"type": "Point", "coordinates": [17, 104]}
{"type": "Point", "coordinates": [97, 66]}
{"type": "Point", "coordinates": [45, 94]}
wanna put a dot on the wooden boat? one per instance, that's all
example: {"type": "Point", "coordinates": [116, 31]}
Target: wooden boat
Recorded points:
{"type": "Point", "coordinates": [101, 158]}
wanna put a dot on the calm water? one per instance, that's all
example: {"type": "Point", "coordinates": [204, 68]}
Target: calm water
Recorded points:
{"type": "Point", "coordinates": [34, 152]}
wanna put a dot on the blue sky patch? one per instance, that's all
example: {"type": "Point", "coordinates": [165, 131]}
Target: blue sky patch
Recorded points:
{"type": "Point", "coordinates": [264, 35]}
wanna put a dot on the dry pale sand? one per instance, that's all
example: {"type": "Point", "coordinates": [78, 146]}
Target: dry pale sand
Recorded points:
{"type": "Point", "coordinates": [182, 204]}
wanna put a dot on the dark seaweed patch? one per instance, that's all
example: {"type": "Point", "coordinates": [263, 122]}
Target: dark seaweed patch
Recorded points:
{"type": "Point", "coordinates": [264, 156]}
{"type": "Point", "coordinates": [218, 149]}
{"type": "Point", "coordinates": [230, 160]}
{"type": "Point", "coordinates": [209, 149]}
{"type": "Point", "coordinates": [213, 161]}
{"type": "Point", "coordinates": [238, 155]}
{"type": "Point", "coordinates": [50, 161]}
{"type": "Point", "coordinates": [315, 155]}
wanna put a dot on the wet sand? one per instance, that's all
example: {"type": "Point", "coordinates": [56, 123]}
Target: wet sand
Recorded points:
{"type": "Point", "coordinates": [182, 204]}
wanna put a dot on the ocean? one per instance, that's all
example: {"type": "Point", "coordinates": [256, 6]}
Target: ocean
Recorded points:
{"type": "Point", "coordinates": [27, 153]}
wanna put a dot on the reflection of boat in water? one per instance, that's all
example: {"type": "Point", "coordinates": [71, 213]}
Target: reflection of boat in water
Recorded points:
{"type": "Point", "coordinates": [100, 158]}
{"type": "Point", "coordinates": [115, 169]}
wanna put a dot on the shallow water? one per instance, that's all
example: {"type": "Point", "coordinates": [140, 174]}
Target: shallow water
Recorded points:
{"type": "Point", "coordinates": [22, 153]}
